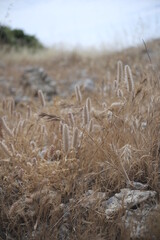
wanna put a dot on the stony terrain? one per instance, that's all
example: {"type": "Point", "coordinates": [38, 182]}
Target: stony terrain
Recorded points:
{"type": "Point", "coordinates": [79, 144]}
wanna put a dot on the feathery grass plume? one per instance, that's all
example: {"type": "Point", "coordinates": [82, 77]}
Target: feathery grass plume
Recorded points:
{"type": "Point", "coordinates": [65, 137]}
{"type": "Point", "coordinates": [119, 71]}
{"type": "Point", "coordinates": [6, 128]}
{"type": "Point", "coordinates": [5, 149]}
{"type": "Point", "coordinates": [41, 97]}
{"type": "Point", "coordinates": [85, 115]}
{"type": "Point", "coordinates": [119, 93]}
{"type": "Point", "coordinates": [78, 94]}
{"type": "Point", "coordinates": [75, 138]}
{"type": "Point", "coordinates": [129, 79]}
{"type": "Point", "coordinates": [71, 119]}
{"type": "Point", "coordinates": [90, 126]}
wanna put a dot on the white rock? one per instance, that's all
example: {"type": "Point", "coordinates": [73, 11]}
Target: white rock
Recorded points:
{"type": "Point", "coordinates": [127, 199]}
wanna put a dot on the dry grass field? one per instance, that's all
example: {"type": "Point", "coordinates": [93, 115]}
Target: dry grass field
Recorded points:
{"type": "Point", "coordinates": [61, 160]}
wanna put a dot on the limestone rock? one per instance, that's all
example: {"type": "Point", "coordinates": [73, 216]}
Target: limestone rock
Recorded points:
{"type": "Point", "coordinates": [127, 199]}
{"type": "Point", "coordinates": [36, 79]}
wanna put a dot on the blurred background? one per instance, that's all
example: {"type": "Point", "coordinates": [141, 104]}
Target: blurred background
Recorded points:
{"type": "Point", "coordinates": [113, 24]}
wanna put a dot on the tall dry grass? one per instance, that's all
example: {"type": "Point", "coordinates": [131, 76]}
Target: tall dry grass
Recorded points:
{"type": "Point", "coordinates": [53, 153]}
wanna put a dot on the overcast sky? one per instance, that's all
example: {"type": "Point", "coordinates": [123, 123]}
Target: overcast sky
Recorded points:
{"type": "Point", "coordinates": [114, 23]}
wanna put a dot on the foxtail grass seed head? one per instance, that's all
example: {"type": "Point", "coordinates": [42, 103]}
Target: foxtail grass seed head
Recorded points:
{"type": "Point", "coordinates": [90, 127]}
{"type": "Point", "coordinates": [78, 94]}
{"type": "Point", "coordinates": [75, 138]}
{"type": "Point", "coordinates": [71, 119]}
{"type": "Point", "coordinates": [89, 104]}
{"type": "Point", "coordinates": [18, 128]}
{"type": "Point", "coordinates": [6, 128]}
{"type": "Point", "coordinates": [119, 71]}
{"type": "Point", "coordinates": [129, 79]}
{"type": "Point", "coordinates": [119, 93]}
{"type": "Point", "coordinates": [116, 104]}
{"type": "Point", "coordinates": [41, 98]}
{"type": "Point", "coordinates": [5, 149]}
{"type": "Point", "coordinates": [85, 115]}
{"type": "Point", "coordinates": [65, 139]}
